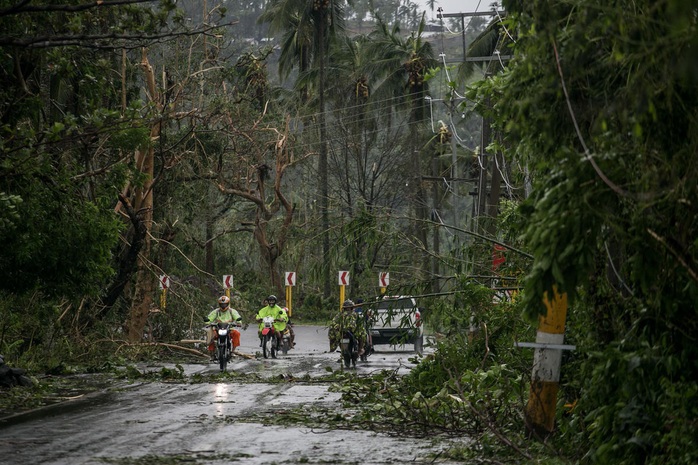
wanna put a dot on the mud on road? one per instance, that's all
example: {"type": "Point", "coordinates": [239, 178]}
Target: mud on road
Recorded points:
{"type": "Point", "coordinates": [260, 412]}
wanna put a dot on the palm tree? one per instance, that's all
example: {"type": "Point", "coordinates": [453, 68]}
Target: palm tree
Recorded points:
{"type": "Point", "coordinates": [398, 66]}
{"type": "Point", "coordinates": [290, 18]}
{"type": "Point", "coordinates": [307, 29]}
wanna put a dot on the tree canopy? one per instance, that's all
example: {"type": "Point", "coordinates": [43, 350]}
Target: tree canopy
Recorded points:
{"type": "Point", "coordinates": [599, 104]}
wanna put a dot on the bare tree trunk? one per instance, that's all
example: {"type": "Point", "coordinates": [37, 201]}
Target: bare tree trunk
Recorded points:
{"type": "Point", "coordinates": [324, 188]}
{"type": "Point", "coordinates": [270, 249]}
{"type": "Point", "coordinates": [143, 202]}
{"type": "Point", "coordinates": [129, 262]}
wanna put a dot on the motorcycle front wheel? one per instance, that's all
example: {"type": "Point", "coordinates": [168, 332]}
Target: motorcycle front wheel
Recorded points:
{"type": "Point", "coordinates": [222, 358]}
{"type": "Point", "coordinates": [347, 359]}
{"type": "Point", "coordinates": [346, 354]}
{"type": "Point", "coordinates": [274, 346]}
{"type": "Point", "coordinates": [267, 344]}
{"type": "Point", "coordinates": [364, 356]}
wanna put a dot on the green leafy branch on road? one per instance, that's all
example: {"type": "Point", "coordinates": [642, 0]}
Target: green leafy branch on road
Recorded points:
{"type": "Point", "coordinates": [482, 405]}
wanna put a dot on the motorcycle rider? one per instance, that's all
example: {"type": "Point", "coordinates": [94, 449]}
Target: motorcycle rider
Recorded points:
{"type": "Point", "coordinates": [274, 311]}
{"type": "Point", "coordinates": [347, 320]}
{"type": "Point", "coordinates": [289, 325]}
{"type": "Point", "coordinates": [224, 314]}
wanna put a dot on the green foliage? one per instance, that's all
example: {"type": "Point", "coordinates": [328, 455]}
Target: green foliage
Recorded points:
{"type": "Point", "coordinates": [312, 308]}
{"type": "Point", "coordinates": [58, 242]}
{"type": "Point", "coordinates": [599, 104]}
{"type": "Point", "coordinates": [475, 384]}
{"type": "Point", "coordinates": [648, 422]}
{"type": "Point", "coordinates": [560, 233]}
{"type": "Point", "coordinates": [9, 215]}
{"type": "Point", "coordinates": [481, 404]}
{"type": "Point", "coordinates": [29, 336]}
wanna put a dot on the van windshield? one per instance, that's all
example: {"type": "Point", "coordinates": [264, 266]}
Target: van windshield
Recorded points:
{"type": "Point", "coordinates": [402, 304]}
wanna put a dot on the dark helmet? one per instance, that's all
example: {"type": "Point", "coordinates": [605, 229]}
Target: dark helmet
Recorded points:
{"type": "Point", "coordinates": [348, 304]}
{"type": "Point", "coordinates": [271, 298]}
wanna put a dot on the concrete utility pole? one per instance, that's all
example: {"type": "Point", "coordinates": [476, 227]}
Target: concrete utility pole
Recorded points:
{"type": "Point", "coordinates": [547, 359]}
{"type": "Point", "coordinates": [540, 409]}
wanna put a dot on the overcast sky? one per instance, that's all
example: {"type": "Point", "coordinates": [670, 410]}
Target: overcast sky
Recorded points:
{"type": "Point", "coordinates": [458, 6]}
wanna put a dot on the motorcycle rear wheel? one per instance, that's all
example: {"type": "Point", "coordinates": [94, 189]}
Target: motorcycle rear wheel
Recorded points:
{"type": "Point", "coordinates": [419, 345]}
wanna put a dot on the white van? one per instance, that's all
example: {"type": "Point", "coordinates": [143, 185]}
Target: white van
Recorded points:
{"type": "Point", "coordinates": [397, 320]}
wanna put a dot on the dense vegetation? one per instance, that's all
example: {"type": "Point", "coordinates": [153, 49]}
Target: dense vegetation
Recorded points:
{"type": "Point", "coordinates": [145, 138]}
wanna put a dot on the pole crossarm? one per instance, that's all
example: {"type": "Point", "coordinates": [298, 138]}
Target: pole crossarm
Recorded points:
{"type": "Point", "coordinates": [539, 345]}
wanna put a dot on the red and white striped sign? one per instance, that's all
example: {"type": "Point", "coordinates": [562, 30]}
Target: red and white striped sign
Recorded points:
{"type": "Point", "coordinates": [290, 278]}
{"type": "Point", "coordinates": [164, 282]}
{"type": "Point", "coordinates": [383, 279]}
{"type": "Point", "coordinates": [228, 281]}
{"type": "Point", "coordinates": [343, 278]}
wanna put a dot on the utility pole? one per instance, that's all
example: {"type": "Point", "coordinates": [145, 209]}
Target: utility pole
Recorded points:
{"type": "Point", "coordinates": [486, 204]}
{"type": "Point", "coordinates": [483, 161]}
{"type": "Point", "coordinates": [539, 413]}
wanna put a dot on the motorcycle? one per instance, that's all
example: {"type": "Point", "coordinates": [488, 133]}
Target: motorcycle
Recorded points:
{"type": "Point", "coordinates": [274, 341]}
{"type": "Point", "coordinates": [270, 340]}
{"type": "Point", "coordinates": [349, 347]}
{"type": "Point", "coordinates": [368, 350]}
{"type": "Point", "coordinates": [224, 344]}
{"type": "Point", "coordinates": [368, 343]}
{"type": "Point", "coordinates": [285, 341]}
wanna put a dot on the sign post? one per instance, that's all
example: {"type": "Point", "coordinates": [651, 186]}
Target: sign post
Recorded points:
{"type": "Point", "coordinates": [164, 282]}
{"type": "Point", "coordinates": [343, 282]}
{"type": "Point", "coordinates": [227, 283]}
{"type": "Point", "coordinates": [290, 280]}
{"type": "Point", "coordinates": [383, 281]}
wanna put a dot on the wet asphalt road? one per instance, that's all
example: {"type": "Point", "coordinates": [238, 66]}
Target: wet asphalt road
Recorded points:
{"type": "Point", "coordinates": [162, 423]}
